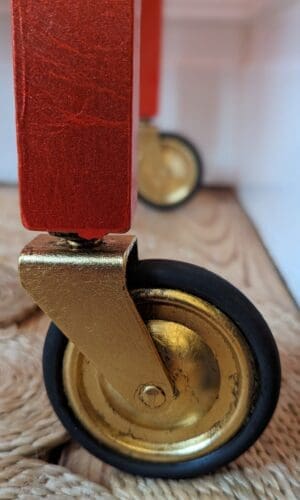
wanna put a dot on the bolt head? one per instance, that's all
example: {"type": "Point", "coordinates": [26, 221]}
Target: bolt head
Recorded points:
{"type": "Point", "coordinates": [151, 396]}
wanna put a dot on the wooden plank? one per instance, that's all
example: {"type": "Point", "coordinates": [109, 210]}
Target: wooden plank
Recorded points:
{"type": "Point", "coordinates": [76, 79]}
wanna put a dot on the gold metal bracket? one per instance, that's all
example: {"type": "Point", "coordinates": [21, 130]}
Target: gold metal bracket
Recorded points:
{"type": "Point", "coordinates": [84, 291]}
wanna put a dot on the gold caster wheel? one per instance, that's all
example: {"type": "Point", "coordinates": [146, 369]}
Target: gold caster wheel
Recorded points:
{"type": "Point", "coordinates": [222, 361]}
{"type": "Point", "coordinates": [169, 168]}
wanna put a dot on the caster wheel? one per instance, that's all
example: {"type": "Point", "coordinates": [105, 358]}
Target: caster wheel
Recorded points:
{"type": "Point", "coordinates": [221, 357]}
{"type": "Point", "coordinates": [171, 177]}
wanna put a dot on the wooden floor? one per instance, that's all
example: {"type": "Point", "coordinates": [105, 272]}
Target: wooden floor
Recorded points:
{"type": "Point", "coordinates": [212, 231]}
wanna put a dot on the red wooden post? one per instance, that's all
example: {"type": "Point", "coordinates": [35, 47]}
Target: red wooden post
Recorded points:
{"type": "Point", "coordinates": [150, 57]}
{"type": "Point", "coordinates": [76, 104]}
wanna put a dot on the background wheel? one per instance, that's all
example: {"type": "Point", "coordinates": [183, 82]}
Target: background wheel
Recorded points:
{"type": "Point", "coordinates": [168, 183]}
{"type": "Point", "coordinates": [222, 358]}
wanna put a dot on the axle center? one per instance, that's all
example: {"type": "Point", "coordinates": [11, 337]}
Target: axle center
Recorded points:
{"type": "Point", "coordinates": [151, 396]}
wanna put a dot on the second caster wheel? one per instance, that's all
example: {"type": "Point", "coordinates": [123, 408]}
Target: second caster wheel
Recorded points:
{"type": "Point", "coordinates": [170, 169]}
{"type": "Point", "coordinates": [220, 355]}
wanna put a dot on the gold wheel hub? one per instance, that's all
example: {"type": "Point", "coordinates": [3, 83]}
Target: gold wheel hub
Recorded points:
{"type": "Point", "coordinates": [168, 171]}
{"type": "Point", "coordinates": [210, 366]}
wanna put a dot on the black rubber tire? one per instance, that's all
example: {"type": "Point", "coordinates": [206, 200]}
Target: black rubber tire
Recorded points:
{"type": "Point", "coordinates": [210, 287]}
{"type": "Point", "coordinates": [199, 165]}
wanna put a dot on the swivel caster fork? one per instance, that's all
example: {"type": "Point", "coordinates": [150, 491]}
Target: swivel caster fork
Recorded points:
{"type": "Point", "coordinates": [160, 368]}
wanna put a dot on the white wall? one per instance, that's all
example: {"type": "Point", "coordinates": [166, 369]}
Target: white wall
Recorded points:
{"type": "Point", "coordinates": [8, 160]}
{"type": "Point", "coordinates": [200, 69]}
{"type": "Point", "coordinates": [269, 136]}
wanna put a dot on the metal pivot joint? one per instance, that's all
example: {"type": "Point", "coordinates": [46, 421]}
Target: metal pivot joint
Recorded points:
{"type": "Point", "coordinates": [84, 291]}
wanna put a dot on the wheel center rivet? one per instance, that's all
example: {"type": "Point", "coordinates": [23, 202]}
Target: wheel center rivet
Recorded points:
{"type": "Point", "coordinates": [151, 396]}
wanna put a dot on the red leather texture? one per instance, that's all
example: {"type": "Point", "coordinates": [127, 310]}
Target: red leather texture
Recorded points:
{"type": "Point", "coordinates": [76, 81]}
{"type": "Point", "coordinates": [150, 57]}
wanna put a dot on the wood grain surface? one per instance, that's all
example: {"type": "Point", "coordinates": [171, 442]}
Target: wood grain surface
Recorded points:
{"type": "Point", "coordinates": [212, 231]}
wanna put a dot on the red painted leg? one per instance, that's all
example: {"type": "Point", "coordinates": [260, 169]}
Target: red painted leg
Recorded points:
{"type": "Point", "coordinates": [150, 57]}
{"type": "Point", "coordinates": [76, 96]}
